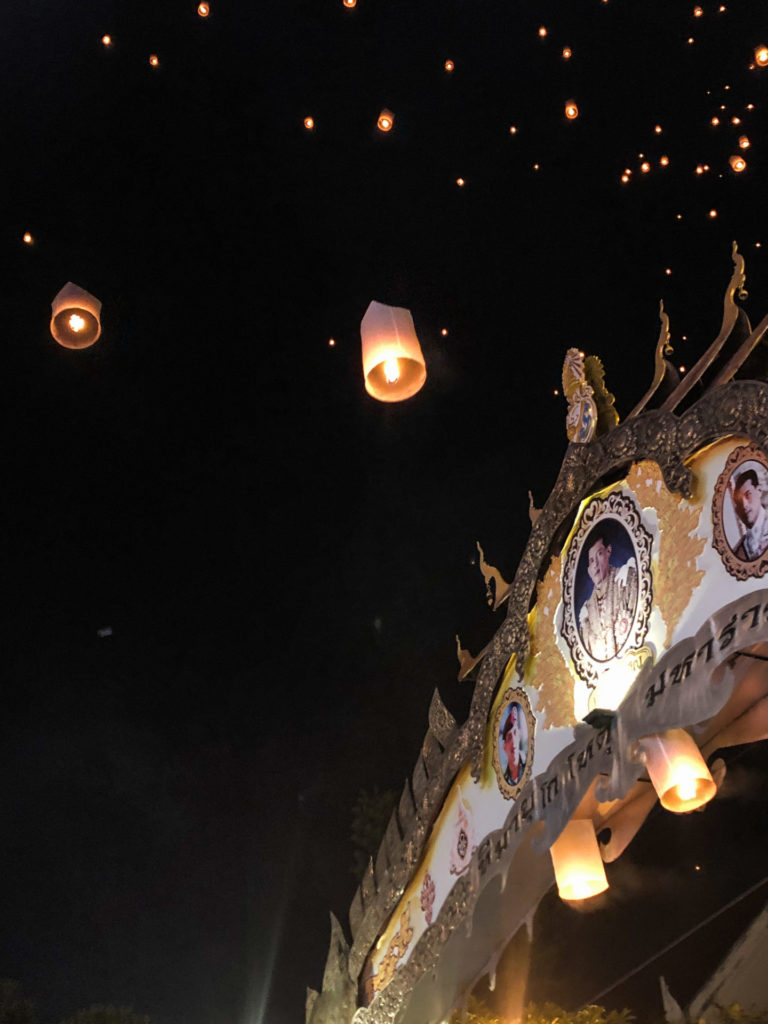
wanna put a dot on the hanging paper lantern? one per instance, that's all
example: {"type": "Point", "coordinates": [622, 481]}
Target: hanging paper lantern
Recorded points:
{"type": "Point", "coordinates": [579, 870]}
{"type": "Point", "coordinates": [677, 770]}
{"type": "Point", "coordinates": [386, 120]}
{"type": "Point", "coordinates": [761, 56]}
{"type": "Point", "coordinates": [76, 317]}
{"type": "Point", "coordinates": [738, 163]}
{"type": "Point", "coordinates": [571, 110]}
{"type": "Point", "coordinates": [393, 364]}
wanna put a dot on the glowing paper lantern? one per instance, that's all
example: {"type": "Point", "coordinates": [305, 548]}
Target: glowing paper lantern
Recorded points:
{"type": "Point", "coordinates": [386, 120]}
{"type": "Point", "coordinates": [203, 10]}
{"type": "Point", "coordinates": [738, 163]}
{"type": "Point", "coordinates": [579, 870]}
{"type": "Point", "coordinates": [154, 60]}
{"type": "Point", "coordinates": [761, 56]}
{"type": "Point", "coordinates": [309, 123]}
{"type": "Point", "coordinates": [28, 239]}
{"type": "Point", "coordinates": [75, 317]}
{"type": "Point", "coordinates": [393, 364]}
{"type": "Point", "coordinates": [677, 770]}
{"type": "Point", "coordinates": [567, 53]}
{"type": "Point", "coordinates": [106, 40]}
{"type": "Point", "coordinates": [571, 110]}
{"type": "Point", "coordinates": [350, 3]}
{"type": "Point", "coordinates": [449, 65]}
{"type": "Point", "coordinates": [743, 142]}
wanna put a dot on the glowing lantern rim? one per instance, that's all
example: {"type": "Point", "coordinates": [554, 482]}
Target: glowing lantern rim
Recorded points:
{"type": "Point", "coordinates": [677, 770]}
{"type": "Point", "coordinates": [571, 110]}
{"type": "Point", "coordinates": [385, 120]}
{"type": "Point", "coordinates": [75, 317]}
{"type": "Point", "coordinates": [761, 56]}
{"type": "Point", "coordinates": [578, 865]}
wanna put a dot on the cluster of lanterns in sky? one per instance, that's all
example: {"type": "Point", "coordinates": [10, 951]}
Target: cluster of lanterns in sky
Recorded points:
{"type": "Point", "coordinates": [682, 782]}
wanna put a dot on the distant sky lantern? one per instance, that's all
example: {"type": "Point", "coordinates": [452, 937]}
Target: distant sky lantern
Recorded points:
{"type": "Point", "coordinates": [761, 56]}
{"type": "Point", "coordinates": [350, 3]}
{"type": "Point", "coordinates": [393, 364]}
{"type": "Point", "coordinates": [712, 214]}
{"type": "Point", "coordinates": [658, 129]}
{"type": "Point", "coordinates": [106, 40]}
{"type": "Point", "coordinates": [444, 331]}
{"type": "Point", "coordinates": [309, 123]}
{"type": "Point", "coordinates": [715, 121]}
{"type": "Point", "coordinates": [567, 53]}
{"type": "Point", "coordinates": [460, 182]}
{"type": "Point", "coordinates": [154, 60]}
{"type": "Point", "coordinates": [697, 12]}
{"type": "Point", "coordinates": [203, 10]}
{"type": "Point", "coordinates": [664, 161]}
{"type": "Point", "coordinates": [743, 142]}
{"type": "Point", "coordinates": [571, 110]}
{"type": "Point", "coordinates": [738, 163]}
{"type": "Point", "coordinates": [332, 342]}
{"type": "Point", "coordinates": [625, 178]}
{"type": "Point", "coordinates": [645, 167]}
{"type": "Point", "coordinates": [75, 317]}
{"type": "Point", "coordinates": [28, 239]}
{"type": "Point", "coordinates": [386, 120]}
{"type": "Point", "coordinates": [735, 120]}
{"type": "Point", "coordinates": [513, 129]}
{"type": "Point", "coordinates": [579, 870]}
{"type": "Point", "coordinates": [542, 32]}
{"type": "Point", "coordinates": [449, 65]}
{"type": "Point", "coordinates": [677, 770]}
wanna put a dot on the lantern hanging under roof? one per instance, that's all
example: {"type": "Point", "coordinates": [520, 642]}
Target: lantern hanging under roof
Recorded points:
{"type": "Point", "coordinates": [75, 317]}
{"type": "Point", "coordinates": [579, 870]}
{"type": "Point", "coordinates": [393, 363]}
{"type": "Point", "coordinates": [677, 770]}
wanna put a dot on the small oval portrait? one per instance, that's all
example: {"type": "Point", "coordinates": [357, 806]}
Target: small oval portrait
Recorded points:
{"type": "Point", "coordinates": [513, 727]}
{"type": "Point", "coordinates": [607, 592]}
{"type": "Point", "coordinates": [740, 514]}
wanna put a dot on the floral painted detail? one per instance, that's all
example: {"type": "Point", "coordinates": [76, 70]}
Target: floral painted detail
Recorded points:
{"type": "Point", "coordinates": [464, 839]}
{"type": "Point", "coordinates": [428, 897]}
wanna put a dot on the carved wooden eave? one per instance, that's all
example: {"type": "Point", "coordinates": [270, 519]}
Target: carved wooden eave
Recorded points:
{"type": "Point", "coordinates": [729, 407]}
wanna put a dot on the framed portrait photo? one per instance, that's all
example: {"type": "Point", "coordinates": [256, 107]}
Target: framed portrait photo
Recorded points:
{"type": "Point", "coordinates": [513, 738]}
{"type": "Point", "coordinates": [740, 515]}
{"type": "Point", "coordinates": [607, 584]}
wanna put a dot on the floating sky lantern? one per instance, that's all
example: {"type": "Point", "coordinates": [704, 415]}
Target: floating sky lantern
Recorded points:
{"type": "Point", "coordinates": [75, 317]}
{"type": "Point", "coordinates": [542, 32]}
{"type": "Point", "coordinates": [513, 129]}
{"type": "Point", "coordinates": [571, 110]}
{"type": "Point", "coordinates": [715, 121]}
{"type": "Point", "coordinates": [350, 3]}
{"type": "Point", "coordinates": [664, 161]}
{"type": "Point", "coordinates": [460, 182]}
{"type": "Point", "coordinates": [761, 56]}
{"type": "Point", "coordinates": [449, 65]}
{"type": "Point", "coordinates": [106, 40]}
{"type": "Point", "coordinates": [309, 123]}
{"type": "Point", "coordinates": [28, 239]}
{"type": "Point", "coordinates": [579, 870]}
{"type": "Point", "coordinates": [154, 60]}
{"type": "Point", "coordinates": [385, 121]}
{"type": "Point", "coordinates": [697, 12]}
{"type": "Point", "coordinates": [657, 129]}
{"type": "Point", "coordinates": [743, 142]}
{"type": "Point", "coordinates": [645, 167]}
{"type": "Point", "coordinates": [567, 53]}
{"type": "Point", "coordinates": [677, 770]}
{"type": "Point", "coordinates": [393, 364]}
{"type": "Point", "coordinates": [203, 10]}
{"type": "Point", "coordinates": [738, 163]}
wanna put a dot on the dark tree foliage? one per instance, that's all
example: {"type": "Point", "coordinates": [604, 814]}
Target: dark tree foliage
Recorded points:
{"type": "Point", "coordinates": [14, 1009]}
{"type": "Point", "coordinates": [106, 1015]}
{"type": "Point", "coordinates": [370, 816]}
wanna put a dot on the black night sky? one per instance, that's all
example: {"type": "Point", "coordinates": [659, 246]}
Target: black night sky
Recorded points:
{"type": "Point", "coordinates": [232, 580]}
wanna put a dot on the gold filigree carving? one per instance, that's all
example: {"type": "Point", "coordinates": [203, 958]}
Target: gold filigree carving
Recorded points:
{"type": "Point", "coordinates": [607, 417]}
{"type": "Point", "coordinates": [396, 949]}
{"type": "Point", "coordinates": [551, 676]}
{"type": "Point", "coordinates": [679, 547]}
{"type": "Point", "coordinates": [500, 590]}
{"type": "Point", "coordinates": [663, 349]}
{"type": "Point", "coordinates": [581, 419]}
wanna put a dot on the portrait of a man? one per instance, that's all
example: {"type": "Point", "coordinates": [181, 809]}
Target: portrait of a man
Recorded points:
{"type": "Point", "coordinates": [606, 615]}
{"type": "Point", "coordinates": [512, 733]}
{"type": "Point", "coordinates": [748, 503]}
{"type": "Point", "coordinates": [513, 742]}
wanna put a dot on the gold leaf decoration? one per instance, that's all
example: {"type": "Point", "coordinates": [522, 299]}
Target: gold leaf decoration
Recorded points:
{"type": "Point", "coordinates": [551, 675]}
{"type": "Point", "coordinates": [396, 950]}
{"type": "Point", "coordinates": [679, 548]}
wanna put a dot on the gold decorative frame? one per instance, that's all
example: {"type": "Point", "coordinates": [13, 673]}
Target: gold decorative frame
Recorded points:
{"type": "Point", "coordinates": [621, 508]}
{"type": "Point", "coordinates": [735, 566]}
{"type": "Point", "coordinates": [517, 696]}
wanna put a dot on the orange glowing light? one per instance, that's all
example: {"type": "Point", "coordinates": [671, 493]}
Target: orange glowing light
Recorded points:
{"type": "Point", "coordinates": [542, 32]}
{"type": "Point", "coordinates": [743, 142]}
{"type": "Point", "coordinates": [571, 110]}
{"type": "Point", "coordinates": [761, 56]}
{"type": "Point", "coordinates": [385, 121]}
{"type": "Point", "coordinates": [567, 53]}
{"type": "Point", "coordinates": [697, 12]}
{"type": "Point", "coordinates": [625, 178]}
{"type": "Point", "coordinates": [203, 10]}
{"type": "Point", "coordinates": [444, 332]}
{"type": "Point", "coordinates": [106, 40]}
{"type": "Point", "coordinates": [690, 40]}
{"type": "Point", "coordinates": [712, 214]}
{"type": "Point", "coordinates": [664, 160]}
{"type": "Point", "coordinates": [678, 216]}
{"type": "Point", "coordinates": [536, 167]}
{"type": "Point", "coordinates": [658, 129]}
{"type": "Point", "coordinates": [738, 163]}
{"type": "Point", "coordinates": [309, 123]}
{"type": "Point", "coordinates": [154, 60]}
{"type": "Point", "coordinates": [350, 3]}
{"type": "Point", "coordinates": [28, 239]}
{"type": "Point", "coordinates": [735, 120]}
{"type": "Point", "coordinates": [331, 342]}
{"type": "Point", "coordinates": [645, 167]}
{"type": "Point", "coordinates": [460, 182]}
{"type": "Point", "coordinates": [715, 121]}
{"type": "Point", "coordinates": [682, 368]}
{"type": "Point", "coordinates": [750, 106]}
{"type": "Point", "coordinates": [513, 129]}
{"type": "Point", "coordinates": [449, 65]}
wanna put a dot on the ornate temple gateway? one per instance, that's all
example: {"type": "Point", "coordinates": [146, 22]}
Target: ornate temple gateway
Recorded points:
{"type": "Point", "coordinates": [634, 648]}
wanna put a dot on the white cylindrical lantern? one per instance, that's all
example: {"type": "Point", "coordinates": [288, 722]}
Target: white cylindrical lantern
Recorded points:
{"type": "Point", "coordinates": [677, 770]}
{"type": "Point", "coordinates": [579, 870]}
{"type": "Point", "coordinates": [393, 364]}
{"type": "Point", "coordinates": [76, 317]}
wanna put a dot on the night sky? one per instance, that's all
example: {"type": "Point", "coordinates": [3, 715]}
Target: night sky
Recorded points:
{"type": "Point", "coordinates": [232, 579]}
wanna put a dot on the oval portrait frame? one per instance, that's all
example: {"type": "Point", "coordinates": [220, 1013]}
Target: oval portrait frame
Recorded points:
{"type": "Point", "coordinates": [621, 508]}
{"type": "Point", "coordinates": [739, 568]}
{"type": "Point", "coordinates": [514, 695]}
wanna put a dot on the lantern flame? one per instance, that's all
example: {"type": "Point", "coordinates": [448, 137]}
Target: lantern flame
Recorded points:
{"type": "Point", "coordinates": [76, 323]}
{"type": "Point", "coordinates": [761, 56]}
{"type": "Point", "coordinates": [386, 120]}
{"type": "Point", "coordinates": [391, 370]}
